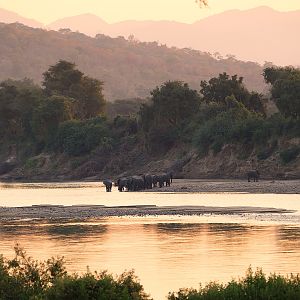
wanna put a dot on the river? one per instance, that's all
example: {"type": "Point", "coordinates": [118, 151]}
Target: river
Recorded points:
{"type": "Point", "coordinates": [166, 252]}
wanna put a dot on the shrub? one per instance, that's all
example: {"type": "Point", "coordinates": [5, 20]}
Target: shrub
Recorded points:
{"type": "Point", "coordinates": [23, 278]}
{"type": "Point", "coordinates": [266, 152]}
{"type": "Point", "coordinates": [80, 137]}
{"type": "Point", "coordinates": [253, 286]}
{"type": "Point", "coordinates": [289, 154]}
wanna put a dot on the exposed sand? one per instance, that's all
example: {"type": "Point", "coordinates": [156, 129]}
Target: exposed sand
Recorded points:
{"type": "Point", "coordinates": [95, 211]}
{"type": "Point", "coordinates": [233, 186]}
{"type": "Point", "coordinates": [180, 185]}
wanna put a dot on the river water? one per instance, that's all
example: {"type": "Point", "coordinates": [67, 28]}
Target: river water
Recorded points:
{"type": "Point", "coordinates": [166, 252]}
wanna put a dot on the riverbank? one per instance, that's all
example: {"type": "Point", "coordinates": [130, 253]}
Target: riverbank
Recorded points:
{"type": "Point", "coordinates": [233, 186]}
{"type": "Point", "coordinates": [181, 186]}
{"type": "Point", "coordinates": [83, 212]}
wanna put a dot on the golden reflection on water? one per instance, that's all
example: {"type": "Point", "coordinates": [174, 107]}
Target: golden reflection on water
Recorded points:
{"type": "Point", "coordinates": [165, 255]}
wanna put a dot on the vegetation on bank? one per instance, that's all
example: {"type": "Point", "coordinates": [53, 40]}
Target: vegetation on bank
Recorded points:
{"type": "Point", "coordinates": [68, 115]}
{"type": "Point", "coordinates": [25, 278]}
{"type": "Point", "coordinates": [254, 286]}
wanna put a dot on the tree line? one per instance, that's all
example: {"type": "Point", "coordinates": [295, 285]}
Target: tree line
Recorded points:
{"type": "Point", "coordinates": [67, 114]}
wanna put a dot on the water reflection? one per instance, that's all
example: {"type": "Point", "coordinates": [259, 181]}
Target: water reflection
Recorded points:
{"type": "Point", "coordinates": [166, 255]}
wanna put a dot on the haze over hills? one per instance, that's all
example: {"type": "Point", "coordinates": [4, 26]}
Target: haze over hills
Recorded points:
{"type": "Point", "coordinates": [260, 34]}
{"type": "Point", "coordinates": [128, 68]}
{"type": "Point", "coordinates": [7, 16]}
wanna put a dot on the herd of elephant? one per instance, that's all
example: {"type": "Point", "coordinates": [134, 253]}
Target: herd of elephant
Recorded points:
{"type": "Point", "coordinates": [148, 181]}
{"type": "Point", "coordinates": [140, 182]}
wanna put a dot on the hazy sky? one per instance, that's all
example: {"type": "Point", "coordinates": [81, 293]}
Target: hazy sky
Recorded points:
{"type": "Point", "coordinates": [117, 10]}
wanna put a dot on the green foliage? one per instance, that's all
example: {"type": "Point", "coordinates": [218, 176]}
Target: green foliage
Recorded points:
{"type": "Point", "coordinates": [32, 116]}
{"type": "Point", "coordinates": [234, 125]}
{"type": "Point", "coordinates": [239, 126]}
{"type": "Point", "coordinates": [64, 79]}
{"type": "Point", "coordinates": [161, 138]}
{"type": "Point", "coordinates": [124, 107]}
{"type": "Point", "coordinates": [289, 154]}
{"type": "Point", "coordinates": [80, 137]}
{"type": "Point", "coordinates": [253, 286]}
{"type": "Point", "coordinates": [18, 100]}
{"type": "Point", "coordinates": [267, 151]}
{"type": "Point", "coordinates": [218, 89]}
{"type": "Point", "coordinates": [171, 106]}
{"type": "Point", "coordinates": [285, 89]}
{"type": "Point", "coordinates": [47, 116]}
{"type": "Point", "coordinates": [124, 125]}
{"type": "Point", "coordinates": [97, 286]}
{"type": "Point", "coordinates": [26, 279]}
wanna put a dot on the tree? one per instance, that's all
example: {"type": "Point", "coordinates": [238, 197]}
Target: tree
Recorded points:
{"type": "Point", "coordinates": [17, 102]}
{"type": "Point", "coordinates": [285, 89]}
{"type": "Point", "coordinates": [217, 89]}
{"type": "Point", "coordinates": [64, 79]}
{"type": "Point", "coordinates": [48, 115]}
{"type": "Point", "coordinates": [171, 104]}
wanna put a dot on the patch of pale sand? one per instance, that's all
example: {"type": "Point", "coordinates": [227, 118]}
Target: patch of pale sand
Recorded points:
{"type": "Point", "coordinates": [54, 212]}
{"type": "Point", "coordinates": [232, 186]}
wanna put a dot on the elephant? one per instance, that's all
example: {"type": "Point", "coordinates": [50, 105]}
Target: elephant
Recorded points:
{"type": "Point", "coordinates": [154, 180]}
{"type": "Point", "coordinates": [253, 174]}
{"type": "Point", "coordinates": [163, 178]}
{"type": "Point", "coordinates": [123, 183]}
{"type": "Point", "coordinates": [108, 184]}
{"type": "Point", "coordinates": [170, 177]}
{"type": "Point", "coordinates": [136, 183]}
{"type": "Point", "coordinates": [148, 181]}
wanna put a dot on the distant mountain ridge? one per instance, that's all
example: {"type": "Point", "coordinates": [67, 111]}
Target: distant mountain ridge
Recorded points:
{"type": "Point", "coordinates": [128, 68]}
{"type": "Point", "coordinates": [260, 34]}
{"type": "Point", "coordinates": [7, 16]}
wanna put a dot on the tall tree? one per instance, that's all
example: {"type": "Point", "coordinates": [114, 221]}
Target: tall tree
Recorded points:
{"type": "Point", "coordinates": [285, 89]}
{"type": "Point", "coordinates": [18, 100]}
{"type": "Point", "coordinates": [64, 79]}
{"type": "Point", "coordinates": [217, 89]}
{"type": "Point", "coordinates": [171, 103]}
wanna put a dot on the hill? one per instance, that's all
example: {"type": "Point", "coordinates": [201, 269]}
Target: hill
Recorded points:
{"type": "Point", "coordinates": [7, 16]}
{"type": "Point", "coordinates": [128, 68]}
{"type": "Point", "coordinates": [259, 34]}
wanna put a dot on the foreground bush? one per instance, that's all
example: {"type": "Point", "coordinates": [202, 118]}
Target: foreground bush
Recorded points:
{"type": "Point", "coordinates": [23, 278]}
{"type": "Point", "coordinates": [254, 286]}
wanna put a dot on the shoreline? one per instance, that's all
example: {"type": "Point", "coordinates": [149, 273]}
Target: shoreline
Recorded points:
{"type": "Point", "coordinates": [83, 212]}
{"type": "Point", "coordinates": [182, 186]}
{"type": "Point", "coordinates": [231, 186]}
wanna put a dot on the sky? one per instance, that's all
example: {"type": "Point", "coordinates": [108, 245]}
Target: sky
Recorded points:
{"type": "Point", "coordinates": [187, 11]}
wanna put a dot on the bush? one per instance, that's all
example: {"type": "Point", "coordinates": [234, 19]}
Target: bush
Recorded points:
{"type": "Point", "coordinates": [239, 126]}
{"type": "Point", "coordinates": [266, 152]}
{"type": "Point", "coordinates": [23, 278]}
{"type": "Point", "coordinates": [253, 286]}
{"type": "Point", "coordinates": [289, 154]}
{"type": "Point", "coordinates": [80, 137]}
{"type": "Point", "coordinates": [160, 139]}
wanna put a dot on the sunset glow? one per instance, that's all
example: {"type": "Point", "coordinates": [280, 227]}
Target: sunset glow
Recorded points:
{"type": "Point", "coordinates": [188, 11]}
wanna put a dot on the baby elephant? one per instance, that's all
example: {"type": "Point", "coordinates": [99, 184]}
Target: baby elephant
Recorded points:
{"type": "Point", "coordinates": [108, 184]}
{"type": "Point", "coordinates": [254, 174]}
